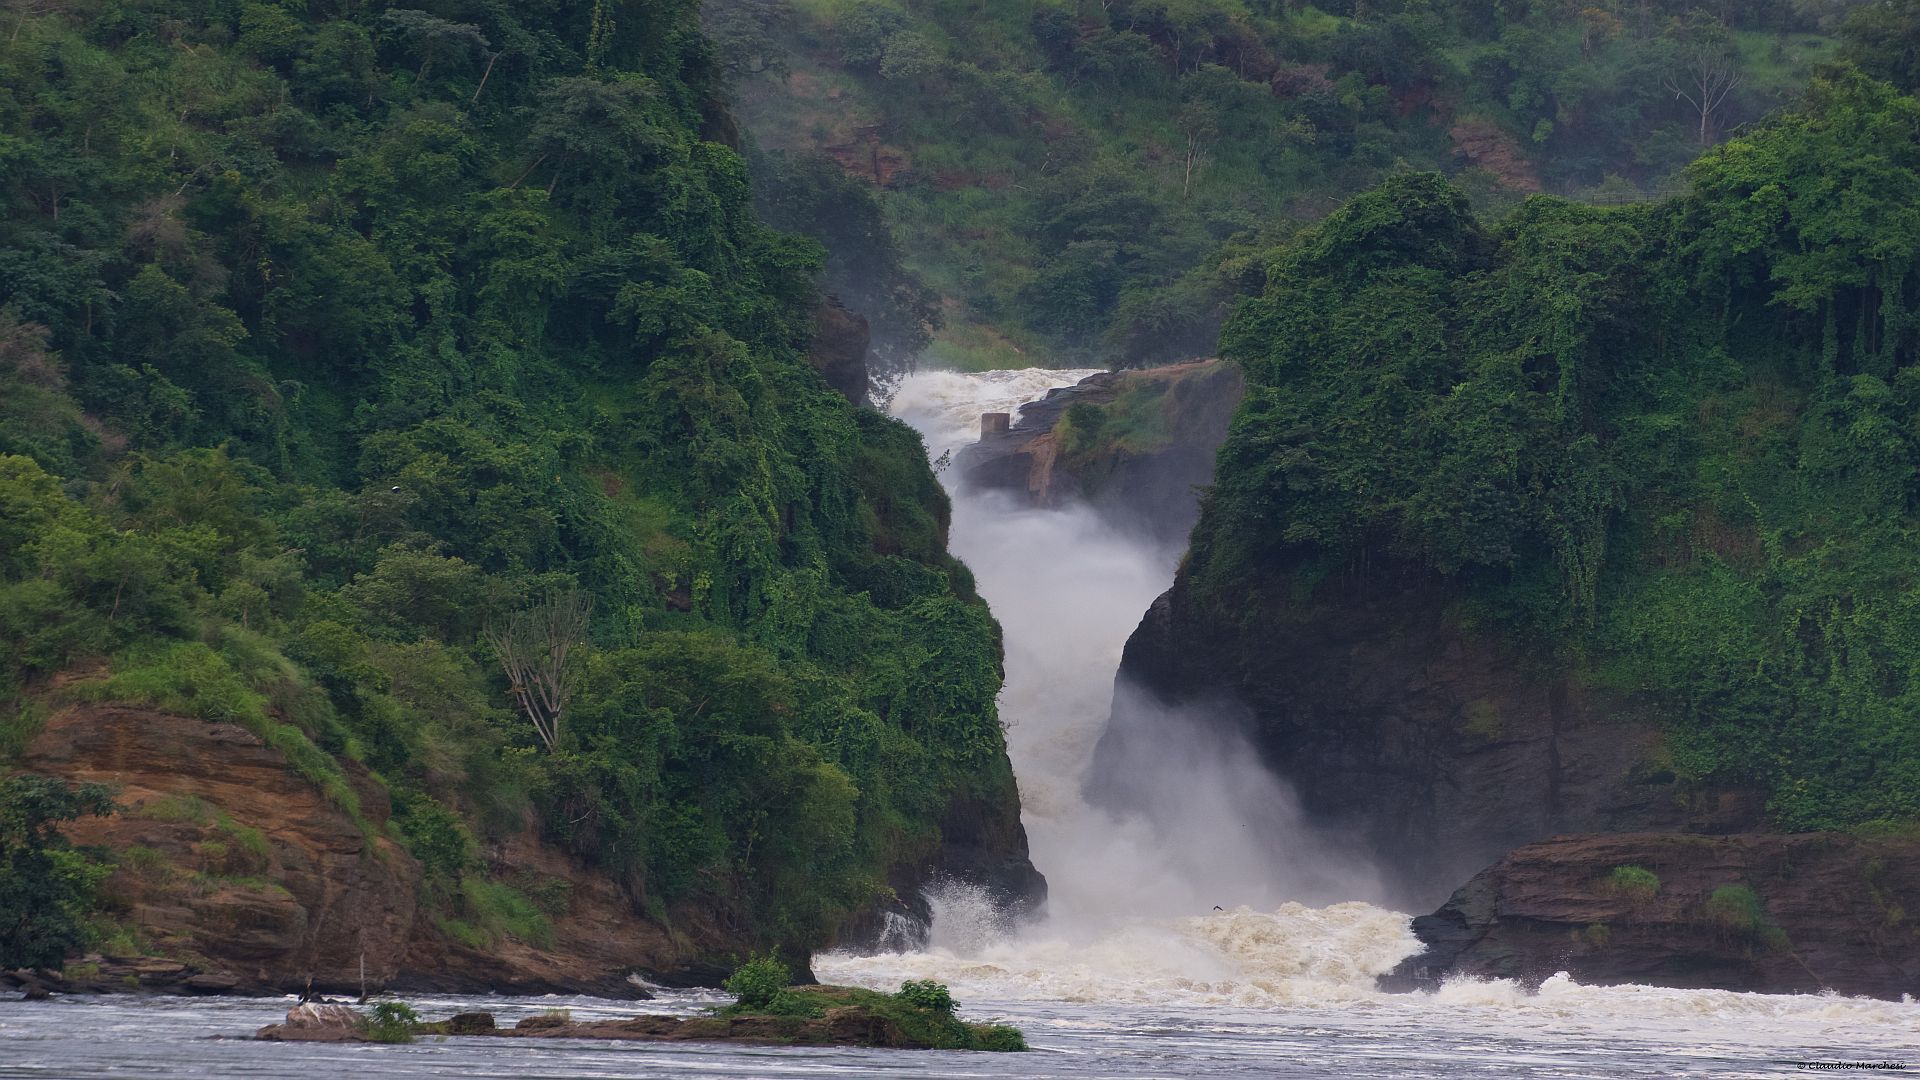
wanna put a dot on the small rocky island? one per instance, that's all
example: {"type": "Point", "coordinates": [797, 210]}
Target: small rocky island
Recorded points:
{"type": "Point", "coordinates": [919, 1017]}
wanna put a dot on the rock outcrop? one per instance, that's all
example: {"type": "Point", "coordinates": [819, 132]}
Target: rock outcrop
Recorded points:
{"type": "Point", "coordinates": [317, 1022]}
{"type": "Point", "coordinates": [1435, 742]}
{"type": "Point", "coordinates": [229, 856]}
{"type": "Point", "coordinates": [1142, 446]}
{"type": "Point", "coordinates": [839, 349]}
{"type": "Point", "coordinates": [247, 879]}
{"type": "Point", "coordinates": [1778, 913]}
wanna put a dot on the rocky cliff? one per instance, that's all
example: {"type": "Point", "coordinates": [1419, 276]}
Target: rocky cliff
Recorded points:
{"type": "Point", "coordinates": [1781, 913]}
{"type": "Point", "coordinates": [237, 875]}
{"type": "Point", "coordinates": [1436, 741]}
{"type": "Point", "coordinates": [1136, 445]}
{"type": "Point", "coordinates": [839, 349]}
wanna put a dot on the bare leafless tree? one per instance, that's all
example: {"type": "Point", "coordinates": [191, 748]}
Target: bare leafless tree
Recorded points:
{"type": "Point", "coordinates": [1705, 75]}
{"type": "Point", "coordinates": [536, 648]}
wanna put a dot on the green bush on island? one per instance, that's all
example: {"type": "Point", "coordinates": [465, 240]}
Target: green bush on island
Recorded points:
{"type": "Point", "coordinates": [760, 985]}
{"type": "Point", "coordinates": [927, 994]}
{"type": "Point", "coordinates": [392, 1022]}
{"type": "Point", "coordinates": [922, 1012]}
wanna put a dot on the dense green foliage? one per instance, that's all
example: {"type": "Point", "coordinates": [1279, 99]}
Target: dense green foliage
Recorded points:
{"type": "Point", "coordinates": [1081, 179]}
{"type": "Point", "coordinates": [920, 1015]}
{"type": "Point", "coordinates": [392, 1022]}
{"type": "Point", "coordinates": [46, 885]}
{"type": "Point", "coordinates": [335, 335]}
{"type": "Point", "coordinates": [760, 986]}
{"type": "Point", "coordinates": [1676, 446]}
{"type": "Point", "coordinates": [927, 994]}
{"type": "Point", "coordinates": [1634, 882]}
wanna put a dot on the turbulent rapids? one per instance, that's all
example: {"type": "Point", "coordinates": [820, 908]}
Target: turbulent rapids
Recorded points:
{"type": "Point", "coordinates": [1132, 913]}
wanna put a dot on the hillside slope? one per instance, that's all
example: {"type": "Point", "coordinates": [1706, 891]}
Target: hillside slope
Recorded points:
{"type": "Point", "coordinates": [1584, 519]}
{"type": "Point", "coordinates": [1083, 183]}
{"type": "Point", "coordinates": [415, 389]}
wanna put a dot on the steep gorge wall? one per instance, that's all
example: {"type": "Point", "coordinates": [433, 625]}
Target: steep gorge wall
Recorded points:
{"type": "Point", "coordinates": [1785, 914]}
{"type": "Point", "coordinates": [1438, 743]}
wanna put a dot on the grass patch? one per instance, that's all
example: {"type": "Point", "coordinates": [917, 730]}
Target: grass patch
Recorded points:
{"type": "Point", "coordinates": [490, 911]}
{"type": "Point", "coordinates": [177, 808]}
{"type": "Point", "coordinates": [1636, 883]}
{"type": "Point", "coordinates": [1736, 911]}
{"type": "Point", "coordinates": [192, 679]}
{"type": "Point", "coordinates": [145, 861]}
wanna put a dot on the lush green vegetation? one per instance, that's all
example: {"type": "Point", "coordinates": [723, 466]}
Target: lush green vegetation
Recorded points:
{"type": "Point", "coordinates": [345, 345]}
{"type": "Point", "coordinates": [1675, 447]}
{"type": "Point", "coordinates": [920, 1014]}
{"type": "Point", "coordinates": [392, 1022]}
{"type": "Point", "coordinates": [1083, 180]}
{"type": "Point", "coordinates": [1634, 882]}
{"type": "Point", "coordinates": [761, 986]}
{"type": "Point", "coordinates": [46, 884]}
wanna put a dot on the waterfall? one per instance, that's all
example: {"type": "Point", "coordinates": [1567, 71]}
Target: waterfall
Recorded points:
{"type": "Point", "coordinates": [1217, 830]}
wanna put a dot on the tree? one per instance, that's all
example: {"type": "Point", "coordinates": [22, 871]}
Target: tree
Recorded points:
{"type": "Point", "coordinates": [433, 39]}
{"type": "Point", "coordinates": [1884, 39]}
{"type": "Point", "coordinates": [46, 887]}
{"type": "Point", "coordinates": [1704, 72]}
{"type": "Point", "coordinates": [536, 648]}
{"type": "Point", "coordinates": [748, 35]}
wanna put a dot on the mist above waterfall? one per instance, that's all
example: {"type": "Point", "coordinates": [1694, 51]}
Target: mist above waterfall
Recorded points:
{"type": "Point", "coordinates": [1198, 821]}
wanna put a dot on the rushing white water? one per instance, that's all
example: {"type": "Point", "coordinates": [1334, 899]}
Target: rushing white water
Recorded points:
{"type": "Point", "coordinates": [1215, 828]}
{"type": "Point", "coordinates": [1130, 921]}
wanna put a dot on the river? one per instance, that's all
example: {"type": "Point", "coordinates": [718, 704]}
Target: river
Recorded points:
{"type": "Point", "coordinates": [1133, 973]}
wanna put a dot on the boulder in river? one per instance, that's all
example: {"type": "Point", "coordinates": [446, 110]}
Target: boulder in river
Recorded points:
{"type": "Point", "coordinates": [317, 1022]}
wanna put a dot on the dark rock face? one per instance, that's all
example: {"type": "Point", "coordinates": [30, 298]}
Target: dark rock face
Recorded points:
{"type": "Point", "coordinates": [1437, 744]}
{"type": "Point", "coordinates": [1776, 913]}
{"type": "Point", "coordinates": [982, 842]}
{"type": "Point", "coordinates": [261, 885]}
{"type": "Point", "coordinates": [1146, 483]}
{"type": "Point", "coordinates": [839, 350]}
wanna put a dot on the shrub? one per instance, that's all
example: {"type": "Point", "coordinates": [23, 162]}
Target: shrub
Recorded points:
{"type": "Point", "coordinates": [1634, 882]}
{"type": "Point", "coordinates": [1736, 908]}
{"type": "Point", "coordinates": [758, 983]}
{"type": "Point", "coordinates": [393, 1022]}
{"type": "Point", "coordinates": [927, 994]}
{"type": "Point", "coordinates": [998, 1037]}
